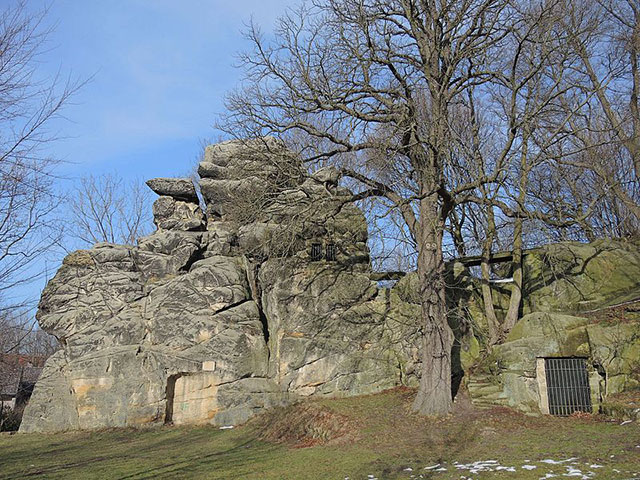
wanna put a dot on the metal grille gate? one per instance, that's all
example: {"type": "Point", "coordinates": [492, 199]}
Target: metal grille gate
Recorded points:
{"type": "Point", "coordinates": [567, 385]}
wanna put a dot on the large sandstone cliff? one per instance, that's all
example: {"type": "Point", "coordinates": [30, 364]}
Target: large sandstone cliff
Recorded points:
{"type": "Point", "coordinates": [218, 315]}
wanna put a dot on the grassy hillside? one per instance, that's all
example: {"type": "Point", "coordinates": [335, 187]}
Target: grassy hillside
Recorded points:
{"type": "Point", "coordinates": [363, 437]}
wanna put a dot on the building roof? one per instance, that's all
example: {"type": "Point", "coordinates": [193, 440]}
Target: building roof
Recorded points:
{"type": "Point", "coordinates": [9, 380]}
{"type": "Point", "coordinates": [24, 360]}
{"type": "Point", "coordinates": [18, 370]}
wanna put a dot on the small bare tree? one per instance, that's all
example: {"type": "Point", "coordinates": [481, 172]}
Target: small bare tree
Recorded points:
{"type": "Point", "coordinates": [109, 209]}
{"type": "Point", "coordinates": [28, 104]}
{"type": "Point", "coordinates": [21, 342]}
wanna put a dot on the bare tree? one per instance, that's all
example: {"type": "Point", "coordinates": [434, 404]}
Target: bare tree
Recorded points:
{"type": "Point", "coordinates": [28, 104]}
{"type": "Point", "coordinates": [109, 209]}
{"type": "Point", "coordinates": [605, 36]}
{"type": "Point", "coordinates": [22, 347]}
{"type": "Point", "coordinates": [529, 94]}
{"type": "Point", "coordinates": [382, 89]}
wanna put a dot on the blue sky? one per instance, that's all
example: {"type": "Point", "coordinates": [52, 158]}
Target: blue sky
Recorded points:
{"type": "Point", "coordinates": [159, 70]}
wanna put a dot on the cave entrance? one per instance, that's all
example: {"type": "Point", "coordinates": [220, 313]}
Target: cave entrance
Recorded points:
{"type": "Point", "coordinates": [564, 385]}
{"type": "Point", "coordinates": [170, 396]}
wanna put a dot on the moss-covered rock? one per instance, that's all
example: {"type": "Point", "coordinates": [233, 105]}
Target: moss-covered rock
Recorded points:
{"type": "Point", "coordinates": [576, 277]}
{"type": "Point", "coordinates": [611, 353]}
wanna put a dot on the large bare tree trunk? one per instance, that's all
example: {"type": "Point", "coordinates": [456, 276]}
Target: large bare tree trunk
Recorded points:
{"type": "Point", "coordinates": [487, 294]}
{"type": "Point", "coordinates": [513, 314]}
{"type": "Point", "coordinates": [434, 394]}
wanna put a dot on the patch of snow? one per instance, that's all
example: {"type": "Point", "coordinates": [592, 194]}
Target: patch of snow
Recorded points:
{"type": "Point", "coordinates": [573, 472]}
{"type": "Point", "coordinates": [558, 462]}
{"type": "Point", "coordinates": [479, 466]}
{"type": "Point", "coordinates": [432, 467]}
{"type": "Point", "coordinates": [226, 427]}
{"type": "Point", "coordinates": [595, 465]}
{"type": "Point", "coordinates": [408, 469]}
{"type": "Point", "coordinates": [529, 467]}
{"type": "Point", "coordinates": [625, 422]}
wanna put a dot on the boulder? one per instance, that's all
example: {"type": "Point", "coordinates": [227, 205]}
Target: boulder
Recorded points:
{"type": "Point", "coordinates": [238, 177]}
{"type": "Point", "coordinates": [510, 374]}
{"type": "Point", "coordinates": [327, 176]}
{"type": "Point", "coordinates": [167, 253]}
{"type": "Point", "coordinates": [177, 188]}
{"type": "Point", "coordinates": [172, 214]}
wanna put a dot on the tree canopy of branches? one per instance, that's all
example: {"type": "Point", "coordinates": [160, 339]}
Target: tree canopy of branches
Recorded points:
{"type": "Point", "coordinates": [459, 121]}
{"type": "Point", "coordinates": [605, 36]}
{"type": "Point", "coordinates": [19, 336]}
{"type": "Point", "coordinates": [398, 94]}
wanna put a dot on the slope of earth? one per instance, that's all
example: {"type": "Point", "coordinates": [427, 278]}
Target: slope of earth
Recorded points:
{"type": "Point", "coordinates": [366, 437]}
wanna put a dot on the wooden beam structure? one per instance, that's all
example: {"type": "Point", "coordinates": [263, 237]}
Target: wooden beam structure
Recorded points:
{"type": "Point", "coordinates": [471, 261]}
{"type": "Point", "coordinates": [476, 260]}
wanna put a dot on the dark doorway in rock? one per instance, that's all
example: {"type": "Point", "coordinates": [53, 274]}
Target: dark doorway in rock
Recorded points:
{"type": "Point", "coordinates": [330, 253]}
{"type": "Point", "coordinates": [316, 251]}
{"type": "Point", "coordinates": [170, 394]}
{"type": "Point", "coordinates": [567, 385]}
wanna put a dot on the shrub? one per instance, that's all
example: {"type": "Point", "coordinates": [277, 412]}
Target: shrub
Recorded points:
{"type": "Point", "coordinates": [10, 419]}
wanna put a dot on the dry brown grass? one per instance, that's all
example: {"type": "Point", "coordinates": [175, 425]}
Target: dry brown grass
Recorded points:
{"type": "Point", "coordinates": [305, 425]}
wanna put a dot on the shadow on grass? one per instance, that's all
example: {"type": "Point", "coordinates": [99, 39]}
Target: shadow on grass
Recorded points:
{"type": "Point", "coordinates": [113, 455]}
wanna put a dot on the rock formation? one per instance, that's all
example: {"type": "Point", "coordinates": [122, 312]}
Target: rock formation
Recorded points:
{"type": "Point", "coordinates": [580, 301]}
{"type": "Point", "coordinates": [269, 297]}
{"type": "Point", "coordinates": [265, 299]}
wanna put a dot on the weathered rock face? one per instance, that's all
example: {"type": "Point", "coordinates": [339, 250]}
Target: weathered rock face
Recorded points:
{"type": "Point", "coordinates": [511, 374]}
{"type": "Point", "coordinates": [269, 298]}
{"type": "Point", "coordinates": [266, 300]}
{"type": "Point", "coordinates": [569, 311]}
{"type": "Point", "coordinates": [336, 333]}
{"type": "Point", "coordinates": [572, 277]}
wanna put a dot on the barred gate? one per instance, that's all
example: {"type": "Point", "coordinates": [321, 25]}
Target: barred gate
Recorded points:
{"type": "Point", "coordinates": [567, 385]}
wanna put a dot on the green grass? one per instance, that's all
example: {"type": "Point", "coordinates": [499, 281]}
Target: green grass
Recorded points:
{"type": "Point", "coordinates": [383, 438]}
